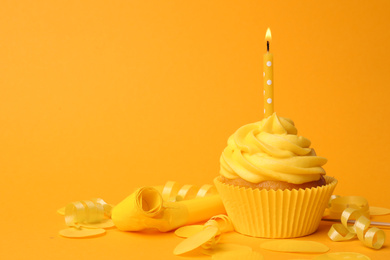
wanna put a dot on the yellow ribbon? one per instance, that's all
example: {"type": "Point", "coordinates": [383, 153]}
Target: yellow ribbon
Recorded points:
{"type": "Point", "coordinates": [338, 204]}
{"type": "Point", "coordinates": [207, 237]}
{"type": "Point", "coordinates": [86, 212]}
{"type": "Point", "coordinates": [223, 223]}
{"type": "Point", "coordinates": [370, 237]}
{"type": "Point", "coordinates": [173, 191]}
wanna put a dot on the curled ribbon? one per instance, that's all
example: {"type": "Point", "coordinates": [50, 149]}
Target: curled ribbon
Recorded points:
{"type": "Point", "coordinates": [173, 191]}
{"type": "Point", "coordinates": [86, 212]}
{"type": "Point", "coordinates": [223, 223]}
{"type": "Point", "coordinates": [207, 237]}
{"type": "Point", "coordinates": [370, 237]}
{"type": "Point", "coordinates": [338, 204]}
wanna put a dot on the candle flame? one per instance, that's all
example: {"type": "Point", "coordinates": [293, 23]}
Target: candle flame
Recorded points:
{"type": "Point", "coordinates": [268, 35]}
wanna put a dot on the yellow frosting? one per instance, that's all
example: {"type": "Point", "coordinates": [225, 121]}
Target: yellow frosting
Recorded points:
{"type": "Point", "coordinates": [271, 150]}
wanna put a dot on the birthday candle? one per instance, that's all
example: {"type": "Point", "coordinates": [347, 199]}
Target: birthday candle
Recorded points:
{"type": "Point", "coordinates": [268, 75]}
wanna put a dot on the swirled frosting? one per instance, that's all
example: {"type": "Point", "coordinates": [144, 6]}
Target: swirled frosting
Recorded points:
{"type": "Point", "coordinates": [271, 150]}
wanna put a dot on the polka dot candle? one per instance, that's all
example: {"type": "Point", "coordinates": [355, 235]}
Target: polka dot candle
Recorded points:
{"type": "Point", "coordinates": [268, 76]}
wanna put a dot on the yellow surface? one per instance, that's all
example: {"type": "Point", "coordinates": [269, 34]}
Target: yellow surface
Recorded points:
{"type": "Point", "coordinates": [295, 246]}
{"type": "Point", "coordinates": [98, 98]}
{"type": "Point", "coordinates": [342, 256]}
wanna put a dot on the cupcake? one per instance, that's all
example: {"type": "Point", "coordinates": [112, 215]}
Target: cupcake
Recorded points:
{"type": "Point", "coordinates": [271, 182]}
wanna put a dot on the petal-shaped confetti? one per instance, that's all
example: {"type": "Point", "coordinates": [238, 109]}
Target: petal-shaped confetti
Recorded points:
{"type": "Point", "coordinates": [295, 246]}
{"type": "Point", "coordinates": [234, 255]}
{"type": "Point", "coordinates": [197, 235]}
{"type": "Point", "coordinates": [196, 240]}
{"type": "Point", "coordinates": [61, 211]}
{"type": "Point", "coordinates": [370, 237]}
{"type": "Point", "coordinates": [81, 232]}
{"type": "Point", "coordinates": [221, 248]}
{"type": "Point", "coordinates": [188, 231]}
{"type": "Point", "coordinates": [342, 256]}
{"type": "Point", "coordinates": [377, 211]}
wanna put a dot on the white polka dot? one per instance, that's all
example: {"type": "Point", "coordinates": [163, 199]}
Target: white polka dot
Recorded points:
{"type": "Point", "coordinates": [269, 82]}
{"type": "Point", "coordinates": [264, 110]}
{"type": "Point", "coordinates": [269, 101]}
{"type": "Point", "coordinates": [264, 91]}
{"type": "Point", "coordinates": [263, 74]}
{"type": "Point", "coordinates": [269, 63]}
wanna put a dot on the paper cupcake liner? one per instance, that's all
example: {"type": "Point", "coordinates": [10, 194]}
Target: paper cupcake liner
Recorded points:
{"type": "Point", "coordinates": [275, 214]}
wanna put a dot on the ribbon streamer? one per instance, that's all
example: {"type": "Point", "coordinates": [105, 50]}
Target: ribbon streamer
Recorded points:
{"type": "Point", "coordinates": [223, 223]}
{"type": "Point", "coordinates": [370, 237]}
{"type": "Point", "coordinates": [86, 212]}
{"type": "Point", "coordinates": [338, 204]}
{"type": "Point", "coordinates": [173, 191]}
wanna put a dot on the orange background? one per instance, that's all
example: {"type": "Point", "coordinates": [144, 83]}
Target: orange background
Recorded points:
{"type": "Point", "coordinates": [98, 98]}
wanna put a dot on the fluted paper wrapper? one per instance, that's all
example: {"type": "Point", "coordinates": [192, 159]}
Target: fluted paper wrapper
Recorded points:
{"type": "Point", "coordinates": [275, 214]}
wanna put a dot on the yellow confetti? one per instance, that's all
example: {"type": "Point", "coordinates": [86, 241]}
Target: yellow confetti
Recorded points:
{"type": "Point", "coordinates": [81, 232]}
{"type": "Point", "coordinates": [342, 256]}
{"type": "Point", "coordinates": [86, 218]}
{"type": "Point", "coordinates": [196, 240]}
{"type": "Point", "coordinates": [61, 211]}
{"type": "Point", "coordinates": [377, 211]}
{"type": "Point", "coordinates": [207, 237]}
{"type": "Point", "coordinates": [188, 231]}
{"type": "Point", "coordinates": [370, 237]}
{"type": "Point", "coordinates": [295, 246]}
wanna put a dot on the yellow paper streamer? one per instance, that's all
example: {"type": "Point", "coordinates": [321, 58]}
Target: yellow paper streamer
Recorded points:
{"type": "Point", "coordinates": [166, 208]}
{"type": "Point", "coordinates": [370, 237]}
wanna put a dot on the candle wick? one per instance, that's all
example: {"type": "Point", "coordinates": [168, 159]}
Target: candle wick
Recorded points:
{"type": "Point", "coordinates": [267, 46]}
